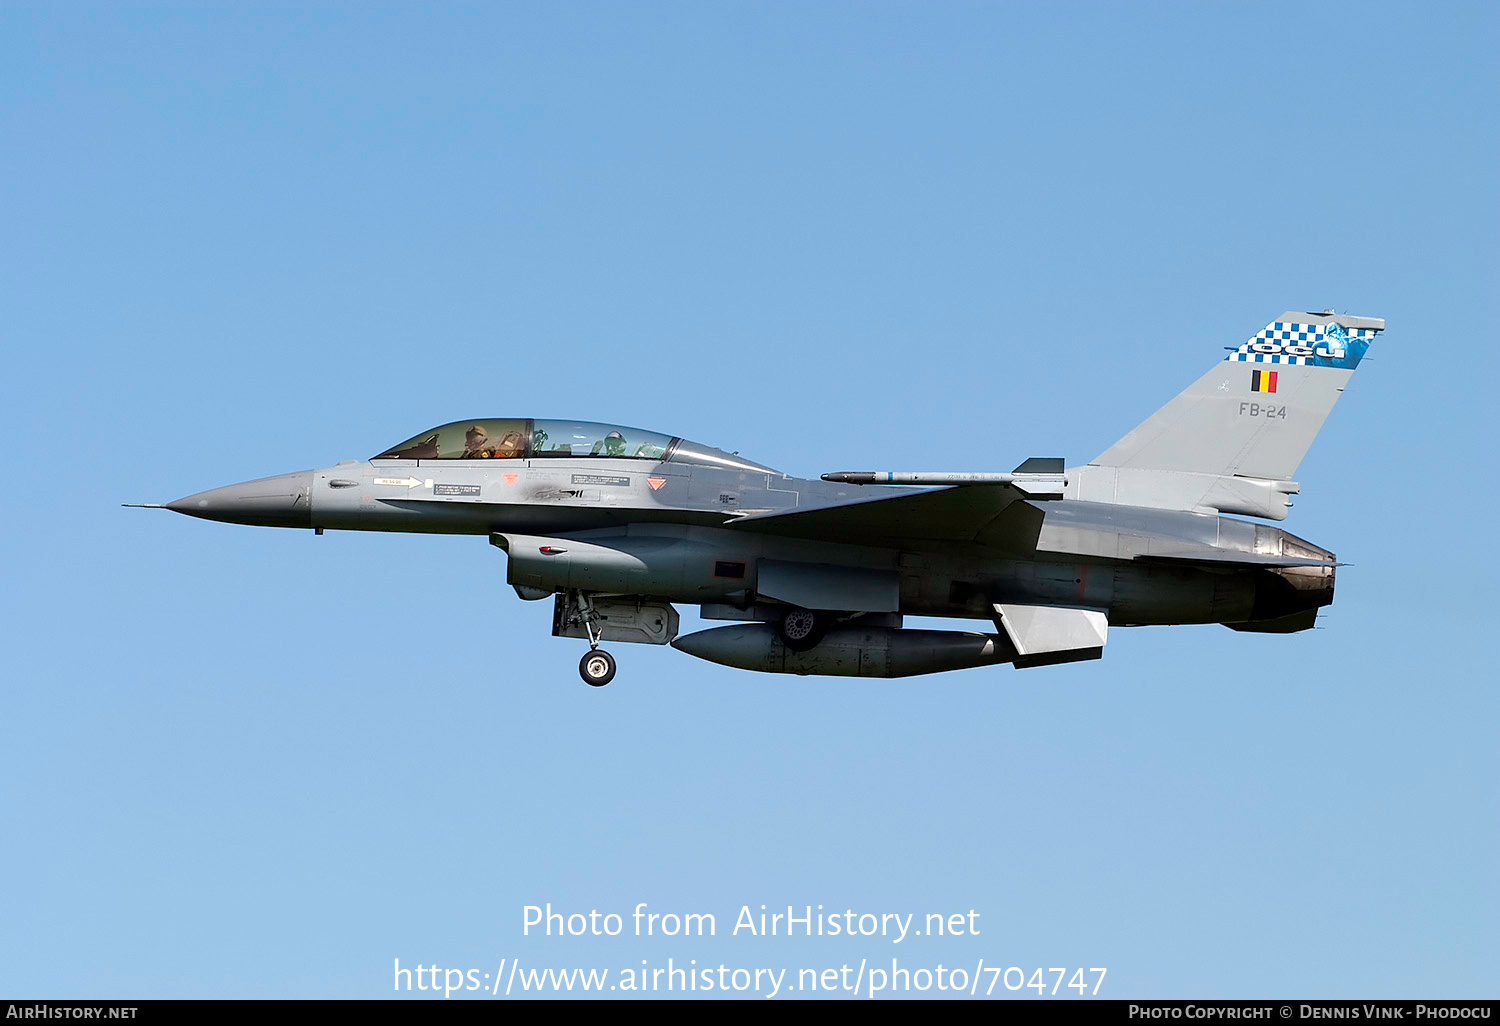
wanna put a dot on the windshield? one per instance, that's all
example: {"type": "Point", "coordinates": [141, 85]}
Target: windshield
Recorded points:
{"type": "Point", "coordinates": [464, 440]}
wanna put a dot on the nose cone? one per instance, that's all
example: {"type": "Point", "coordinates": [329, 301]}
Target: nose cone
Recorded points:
{"type": "Point", "coordinates": [280, 501]}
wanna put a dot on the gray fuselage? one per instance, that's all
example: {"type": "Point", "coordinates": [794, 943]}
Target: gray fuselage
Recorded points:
{"type": "Point", "coordinates": [692, 528]}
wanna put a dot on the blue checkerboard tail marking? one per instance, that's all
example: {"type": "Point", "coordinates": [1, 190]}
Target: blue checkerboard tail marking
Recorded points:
{"type": "Point", "coordinates": [1301, 340]}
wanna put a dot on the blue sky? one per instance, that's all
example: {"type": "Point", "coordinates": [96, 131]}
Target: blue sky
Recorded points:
{"type": "Point", "coordinates": [247, 240]}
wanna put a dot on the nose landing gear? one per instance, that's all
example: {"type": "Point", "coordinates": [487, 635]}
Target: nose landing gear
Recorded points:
{"type": "Point", "coordinates": [595, 616]}
{"type": "Point", "coordinates": [597, 667]}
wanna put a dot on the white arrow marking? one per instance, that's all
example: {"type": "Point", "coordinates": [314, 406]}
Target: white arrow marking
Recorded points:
{"type": "Point", "coordinates": [409, 482]}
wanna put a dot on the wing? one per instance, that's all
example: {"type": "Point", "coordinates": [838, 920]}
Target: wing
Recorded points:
{"type": "Point", "coordinates": [988, 514]}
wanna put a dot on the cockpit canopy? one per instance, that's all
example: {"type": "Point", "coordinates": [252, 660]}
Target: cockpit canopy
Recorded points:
{"type": "Point", "coordinates": [530, 439]}
{"type": "Point", "coordinates": [548, 439]}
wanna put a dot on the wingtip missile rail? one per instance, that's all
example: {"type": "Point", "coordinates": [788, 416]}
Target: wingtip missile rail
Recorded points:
{"type": "Point", "coordinates": [1040, 474]}
{"type": "Point", "coordinates": [868, 477]}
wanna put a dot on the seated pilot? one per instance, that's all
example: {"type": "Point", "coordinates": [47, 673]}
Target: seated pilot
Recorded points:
{"type": "Point", "coordinates": [476, 445]}
{"type": "Point", "coordinates": [613, 444]}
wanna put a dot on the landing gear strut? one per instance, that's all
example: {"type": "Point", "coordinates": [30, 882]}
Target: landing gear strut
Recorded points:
{"type": "Point", "coordinates": [597, 667]}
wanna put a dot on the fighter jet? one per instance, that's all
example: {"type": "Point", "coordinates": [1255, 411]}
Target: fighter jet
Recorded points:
{"type": "Point", "coordinates": [616, 525]}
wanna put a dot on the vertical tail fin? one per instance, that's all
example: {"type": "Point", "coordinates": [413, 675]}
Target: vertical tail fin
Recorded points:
{"type": "Point", "coordinates": [1234, 438]}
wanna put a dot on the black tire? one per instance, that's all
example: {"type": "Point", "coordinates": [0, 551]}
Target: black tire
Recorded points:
{"type": "Point", "coordinates": [801, 629]}
{"type": "Point", "coordinates": [597, 668]}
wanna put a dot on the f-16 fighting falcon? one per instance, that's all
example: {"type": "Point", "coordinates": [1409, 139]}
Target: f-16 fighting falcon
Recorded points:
{"type": "Point", "coordinates": [615, 525]}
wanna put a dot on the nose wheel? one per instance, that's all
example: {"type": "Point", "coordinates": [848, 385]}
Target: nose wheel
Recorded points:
{"type": "Point", "coordinates": [597, 668]}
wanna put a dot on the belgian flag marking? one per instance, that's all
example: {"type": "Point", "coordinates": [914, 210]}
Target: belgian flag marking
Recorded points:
{"type": "Point", "coordinates": [1263, 381]}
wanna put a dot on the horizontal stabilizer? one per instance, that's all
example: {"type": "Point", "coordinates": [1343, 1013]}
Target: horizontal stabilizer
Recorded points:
{"type": "Point", "coordinates": [1289, 624]}
{"type": "Point", "coordinates": [1044, 635]}
{"type": "Point", "coordinates": [1042, 465]}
